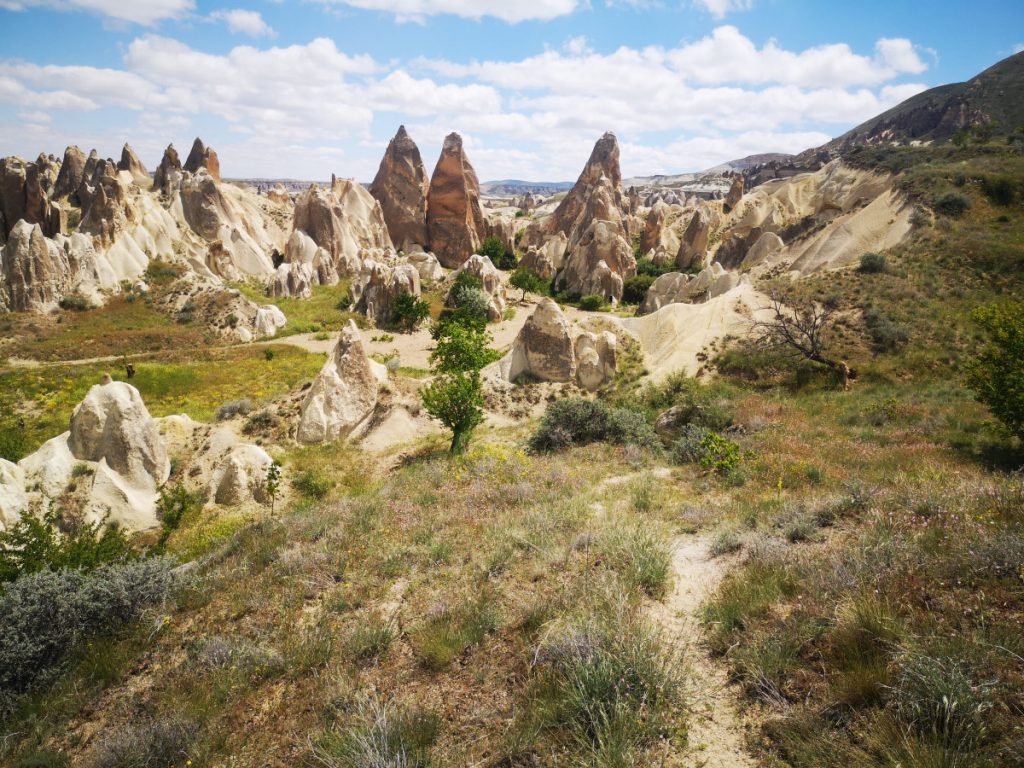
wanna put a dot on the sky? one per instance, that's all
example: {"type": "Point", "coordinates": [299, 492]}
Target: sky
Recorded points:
{"type": "Point", "coordinates": [306, 88]}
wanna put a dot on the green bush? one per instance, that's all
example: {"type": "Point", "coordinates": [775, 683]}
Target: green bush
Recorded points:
{"type": "Point", "coordinates": [1001, 190]}
{"type": "Point", "coordinates": [32, 545]}
{"type": "Point", "coordinates": [528, 281]}
{"type": "Point", "coordinates": [719, 454]}
{"type": "Point", "coordinates": [174, 505]}
{"type": "Point", "coordinates": [379, 735]}
{"type": "Point", "coordinates": [49, 613]}
{"type": "Point", "coordinates": [648, 268]}
{"type": "Point", "coordinates": [312, 484]}
{"type": "Point", "coordinates": [163, 742]}
{"type": "Point", "coordinates": [872, 264]}
{"type": "Point", "coordinates": [499, 255]}
{"type": "Point", "coordinates": [689, 446]}
{"type": "Point", "coordinates": [886, 334]}
{"type": "Point", "coordinates": [409, 311]}
{"type": "Point", "coordinates": [13, 443]}
{"type": "Point", "coordinates": [952, 204]}
{"type": "Point", "coordinates": [74, 303]}
{"type": "Point", "coordinates": [635, 289]}
{"type": "Point", "coordinates": [577, 421]}
{"type": "Point", "coordinates": [592, 303]}
{"type": "Point", "coordinates": [996, 374]}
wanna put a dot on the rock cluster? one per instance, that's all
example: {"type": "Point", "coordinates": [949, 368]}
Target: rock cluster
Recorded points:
{"type": "Point", "coordinates": [375, 291]}
{"type": "Point", "coordinates": [401, 187]}
{"type": "Point", "coordinates": [483, 268]}
{"type": "Point", "coordinates": [130, 162]}
{"type": "Point", "coordinates": [599, 264]}
{"type": "Point", "coordinates": [203, 157]}
{"type": "Point", "coordinates": [679, 288]}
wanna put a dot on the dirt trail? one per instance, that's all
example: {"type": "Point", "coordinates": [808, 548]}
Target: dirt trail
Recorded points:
{"type": "Point", "coordinates": [716, 730]}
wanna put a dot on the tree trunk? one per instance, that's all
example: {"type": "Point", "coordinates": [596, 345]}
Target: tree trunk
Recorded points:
{"type": "Point", "coordinates": [460, 441]}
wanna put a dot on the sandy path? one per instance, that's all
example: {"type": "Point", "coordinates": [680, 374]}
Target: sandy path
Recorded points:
{"type": "Point", "coordinates": [716, 731]}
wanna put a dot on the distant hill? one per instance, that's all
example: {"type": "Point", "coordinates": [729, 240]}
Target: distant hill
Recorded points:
{"type": "Point", "coordinates": [996, 96]}
{"type": "Point", "coordinates": [517, 187]}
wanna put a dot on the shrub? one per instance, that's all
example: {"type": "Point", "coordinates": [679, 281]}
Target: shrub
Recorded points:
{"type": "Point", "coordinates": [580, 422]}
{"type": "Point", "coordinates": [719, 454]}
{"type": "Point", "coordinates": [47, 614]}
{"type": "Point", "coordinates": [312, 484]}
{"type": "Point", "coordinates": [592, 303]}
{"type": "Point", "coordinates": [635, 288]}
{"type": "Point", "coordinates": [380, 736]}
{"type": "Point", "coordinates": [233, 408]}
{"type": "Point", "coordinates": [952, 204]}
{"type": "Point", "coordinates": [648, 268]}
{"type": "Point", "coordinates": [688, 448]}
{"type": "Point", "coordinates": [32, 545]}
{"type": "Point", "coordinates": [74, 303]}
{"type": "Point", "coordinates": [13, 443]}
{"type": "Point", "coordinates": [173, 505]}
{"type": "Point", "coordinates": [268, 354]}
{"type": "Point", "coordinates": [996, 374]}
{"type": "Point", "coordinates": [886, 334]}
{"type": "Point", "coordinates": [344, 303]}
{"type": "Point", "coordinates": [409, 311]}
{"type": "Point", "coordinates": [442, 638]}
{"type": "Point", "coordinates": [1001, 190]}
{"type": "Point", "coordinates": [499, 255]}
{"type": "Point", "coordinates": [872, 264]}
{"type": "Point", "coordinates": [163, 741]}
{"type": "Point", "coordinates": [528, 281]}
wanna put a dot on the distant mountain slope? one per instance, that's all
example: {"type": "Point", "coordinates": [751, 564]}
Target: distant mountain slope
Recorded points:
{"type": "Point", "coordinates": [518, 187]}
{"type": "Point", "coordinates": [994, 96]}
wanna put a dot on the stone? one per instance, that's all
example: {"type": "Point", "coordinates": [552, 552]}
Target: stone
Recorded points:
{"type": "Point", "coordinates": [168, 173]}
{"type": "Point", "coordinates": [343, 395]}
{"type": "Point", "coordinates": [269, 320]}
{"type": "Point", "coordinates": [13, 179]}
{"type": "Point", "coordinates": [599, 265]}
{"type": "Point", "coordinates": [36, 273]}
{"type": "Point", "coordinates": [301, 249]}
{"type": "Point", "coordinates": [482, 267]}
{"type": "Point", "coordinates": [677, 288]}
{"type": "Point", "coordinates": [293, 281]}
{"type": "Point", "coordinates": [13, 499]}
{"type": "Point", "coordinates": [204, 157]}
{"type": "Point", "coordinates": [401, 187]}
{"type": "Point", "coordinates": [72, 172]}
{"type": "Point", "coordinates": [113, 424]}
{"type": "Point", "coordinates": [735, 194]}
{"type": "Point", "coordinates": [544, 347]}
{"type": "Point", "coordinates": [241, 476]}
{"type": "Point", "coordinates": [666, 289]}
{"type": "Point", "coordinates": [130, 162]}
{"type": "Point", "coordinates": [50, 468]}
{"type": "Point", "coordinates": [455, 222]}
{"type": "Point", "coordinates": [375, 292]}
{"type": "Point", "coordinates": [767, 245]}
{"type": "Point", "coordinates": [694, 246]}
{"type": "Point", "coordinates": [549, 258]}
{"type": "Point", "coordinates": [595, 359]}
{"type": "Point", "coordinates": [429, 268]}
{"type": "Point", "coordinates": [578, 209]}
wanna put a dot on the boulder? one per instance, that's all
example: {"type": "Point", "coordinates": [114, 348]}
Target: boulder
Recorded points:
{"type": "Point", "coordinates": [130, 162]}
{"type": "Point", "coordinates": [241, 476]}
{"type": "Point", "coordinates": [269, 320]}
{"type": "Point", "coordinates": [548, 259]}
{"type": "Point", "coordinates": [346, 221]}
{"type": "Point", "coordinates": [112, 424]}
{"type": "Point", "coordinates": [401, 188]}
{"type": "Point", "coordinates": [600, 263]}
{"type": "Point", "coordinates": [377, 288]}
{"type": "Point", "coordinates": [482, 267]}
{"type": "Point", "coordinates": [694, 246]}
{"type": "Point", "coordinates": [429, 268]}
{"type": "Point", "coordinates": [735, 194]}
{"type": "Point", "coordinates": [49, 469]}
{"type": "Point", "coordinates": [666, 289]}
{"type": "Point", "coordinates": [544, 347]}
{"type": "Point", "coordinates": [455, 222]}
{"type": "Point", "coordinates": [13, 500]}
{"type": "Point", "coordinates": [168, 173]}
{"type": "Point", "coordinates": [596, 361]}
{"type": "Point", "coordinates": [677, 288]}
{"type": "Point", "coordinates": [301, 249]}
{"type": "Point", "coordinates": [203, 157]}
{"type": "Point", "coordinates": [343, 395]}
{"type": "Point", "coordinates": [72, 172]}
{"type": "Point", "coordinates": [293, 281]}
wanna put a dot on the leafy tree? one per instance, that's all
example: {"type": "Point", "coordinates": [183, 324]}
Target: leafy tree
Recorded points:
{"type": "Point", "coordinates": [635, 288]}
{"type": "Point", "coordinates": [409, 311]}
{"type": "Point", "coordinates": [455, 397]}
{"type": "Point", "coordinates": [499, 255]}
{"type": "Point", "coordinates": [528, 281]}
{"type": "Point", "coordinates": [997, 373]}
{"type": "Point", "coordinates": [273, 483]}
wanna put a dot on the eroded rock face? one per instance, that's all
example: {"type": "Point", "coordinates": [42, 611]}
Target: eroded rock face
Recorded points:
{"type": "Point", "coordinates": [482, 267]}
{"type": "Point", "coordinates": [544, 347]}
{"type": "Point", "coordinates": [205, 207]}
{"type": "Point", "coordinates": [455, 222]}
{"type": "Point", "coordinates": [346, 221]}
{"type": "Point", "coordinates": [204, 157]}
{"type": "Point", "coordinates": [113, 424]}
{"type": "Point", "coordinates": [378, 287]}
{"type": "Point", "coordinates": [656, 219]}
{"type": "Point", "coordinates": [300, 249]}
{"type": "Point", "coordinates": [72, 171]}
{"type": "Point", "coordinates": [596, 359]}
{"type": "Point", "coordinates": [578, 210]}
{"type": "Point", "coordinates": [343, 395]}
{"type": "Point", "coordinates": [13, 499]}
{"type": "Point", "coordinates": [678, 288]}
{"type": "Point", "coordinates": [36, 273]}
{"type": "Point", "coordinates": [766, 246]}
{"type": "Point", "coordinates": [168, 173]}
{"type": "Point", "coordinates": [241, 476]}
{"type": "Point", "coordinates": [428, 266]}
{"type": "Point", "coordinates": [547, 259]}
{"type": "Point", "coordinates": [294, 281]}
{"type": "Point", "coordinates": [694, 246]}
{"type": "Point", "coordinates": [130, 162]}
{"type": "Point", "coordinates": [401, 188]}
{"type": "Point", "coordinates": [599, 264]}
{"type": "Point", "coordinates": [734, 195]}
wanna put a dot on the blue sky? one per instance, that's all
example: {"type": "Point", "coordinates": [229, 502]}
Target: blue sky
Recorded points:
{"type": "Point", "coordinates": [306, 88]}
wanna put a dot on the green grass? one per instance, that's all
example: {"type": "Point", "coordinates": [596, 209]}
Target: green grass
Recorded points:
{"type": "Point", "coordinates": [317, 314]}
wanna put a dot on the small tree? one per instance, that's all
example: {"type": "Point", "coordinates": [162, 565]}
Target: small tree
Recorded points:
{"type": "Point", "coordinates": [802, 329]}
{"type": "Point", "coordinates": [500, 256]}
{"type": "Point", "coordinates": [273, 483]}
{"type": "Point", "coordinates": [455, 397]}
{"type": "Point", "coordinates": [409, 311]}
{"type": "Point", "coordinates": [528, 281]}
{"type": "Point", "coordinates": [996, 374]}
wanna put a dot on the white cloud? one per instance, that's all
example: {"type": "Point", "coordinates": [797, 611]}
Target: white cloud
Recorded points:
{"type": "Point", "coordinates": [719, 8]}
{"type": "Point", "coordinates": [512, 11]}
{"type": "Point", "coordinates": [145, 12]}
{"type": "Point", "coordinates": [244, 22]}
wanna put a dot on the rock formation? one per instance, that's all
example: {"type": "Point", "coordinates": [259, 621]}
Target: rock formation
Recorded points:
{"type": "Point", "coordinates": [343, 395]}
{"type": "Point", "coordinates": [241, 476]}
{"type": "Point", "coordinates": [679, 288]}
{"type": "Point", "coordinates": [428, 266]}
{"type": "Point", "coordinates": [482, 267]}
{"type": "Point", "coordinates": [130, 162]}
{"type": "Point", "coordinates": [202, 156]}
{"type": "Point", "coordinates": [401, 188]}
{"type": "Point", "coordinates": [548, 259]}
{"type": "Point", "coordinates": [375, 291]}
{"type": "Point", "coordinates": [293, 281]}
{"type": "Point", "coordinates": [113, 425]}
{"type": "Point", "coordinates": [596, 360]}
{"type": "Point", "coordinates": [300, 249]}
{"type": "Point", "coordinates": [346, 221]}
{"type": "Point", "coordinates": [168, 173]}
{"type": "Point", "coordinates": [13, 499]}
{"type": "Point", "coordinates": [694, 246]}
{"type": "Point", "coordinates": [599, 265]}
{"type": "Point", "coordinates": [455, 222]}
{"type": "Point", "coordinates": [766, 246]}
{"type": "Point", "coordinates": [36, 273]}
{"type": "Point", "coordinates": [734, 196]}
{"type": "Point", "coordinates": [72, 171]}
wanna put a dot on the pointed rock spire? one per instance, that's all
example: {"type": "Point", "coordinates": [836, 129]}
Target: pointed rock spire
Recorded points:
{"type": "Point", "coordinates": [401, 187]}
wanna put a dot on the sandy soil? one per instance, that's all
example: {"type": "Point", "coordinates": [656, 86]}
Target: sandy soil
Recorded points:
{"type": "Point", "coordinates": [716, 729]}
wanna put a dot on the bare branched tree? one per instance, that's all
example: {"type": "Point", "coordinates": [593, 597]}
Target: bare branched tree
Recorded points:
{"type": "Point", "coordinates": [801, 329]}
